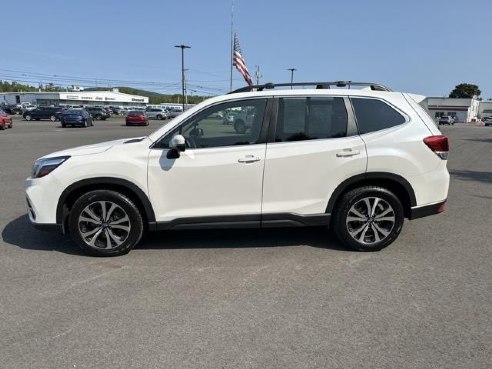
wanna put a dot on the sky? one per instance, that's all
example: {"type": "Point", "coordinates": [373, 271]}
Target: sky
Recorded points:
{"type": "Point", "coordinates": [418, 46]}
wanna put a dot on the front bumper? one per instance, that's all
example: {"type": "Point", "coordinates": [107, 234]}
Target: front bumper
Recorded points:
{"type": "Point", "coordinates": [42, 197]}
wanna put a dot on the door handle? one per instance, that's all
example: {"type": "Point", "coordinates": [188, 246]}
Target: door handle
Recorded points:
{"type": "Point", "coordinates": [345, 153]}
{"type": "Point", "coordinates": [249, 159]}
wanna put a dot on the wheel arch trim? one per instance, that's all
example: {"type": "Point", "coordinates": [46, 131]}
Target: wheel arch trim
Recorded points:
{"type": "Point", "coordinates": [61, 210]}
{"type": "Point", "coordinates": [342, 187]}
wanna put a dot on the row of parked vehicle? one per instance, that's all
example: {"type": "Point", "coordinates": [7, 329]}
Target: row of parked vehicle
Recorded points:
{"type": "Point", "coordinates": [97, 112]}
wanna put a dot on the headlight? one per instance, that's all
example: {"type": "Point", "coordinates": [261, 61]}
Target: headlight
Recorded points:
{"type": "Point", "coordinates": [45, 166]}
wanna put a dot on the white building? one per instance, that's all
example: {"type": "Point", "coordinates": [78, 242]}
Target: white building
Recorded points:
{"type": "Point", "coordinates": [74, 98]}
{"type": "Point", "coordinates": [485, 109]}
{"type": "Point", "coordinates": [464, 110]}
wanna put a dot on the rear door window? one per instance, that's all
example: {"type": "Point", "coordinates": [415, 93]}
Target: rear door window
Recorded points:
{"type": "Point", "coordinates": [373, 115]}
{"type": "Point", "coordinates": [311, 118]}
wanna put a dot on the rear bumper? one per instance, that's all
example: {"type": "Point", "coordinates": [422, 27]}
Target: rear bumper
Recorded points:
{"type": "Point", "coordinates": [426, 210]}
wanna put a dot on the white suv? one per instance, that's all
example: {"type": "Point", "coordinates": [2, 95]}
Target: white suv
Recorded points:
{"type": "Point", "coordinates": [156, 113]}
{"type": "Point", "coordinates": [357, 160]}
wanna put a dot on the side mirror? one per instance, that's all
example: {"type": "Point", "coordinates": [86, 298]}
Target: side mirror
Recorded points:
{"type": "Point", "coordinates": [176, 145]}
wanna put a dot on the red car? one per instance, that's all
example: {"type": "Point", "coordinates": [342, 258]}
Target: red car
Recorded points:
{"type": "Point", "coordinates": [5, 120]}
{"type": "Point", "coordinates": [136, 117]}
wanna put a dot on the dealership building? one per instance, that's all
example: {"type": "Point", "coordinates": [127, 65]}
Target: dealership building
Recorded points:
{"type": "Point", "coordinates": [114, 98]}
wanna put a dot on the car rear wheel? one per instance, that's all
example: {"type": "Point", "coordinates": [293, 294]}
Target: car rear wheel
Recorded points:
{"type": "Point", "coordinates": [28, 117]}
{"type": "Point", "coordinates": [85, 123]}
{"type": "Point", "coordinates": [105, 223]}
{"type": "Point", "coordinates": [159, 117]}
{"type": "Point", "coordinates": [368, 218]}
{"type": "Point", "coordinates": [53, 118]}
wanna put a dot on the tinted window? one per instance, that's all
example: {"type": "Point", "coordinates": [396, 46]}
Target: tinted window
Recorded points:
{"type": "Point", "coordinates": [311, 118]}
{"type": "Point", "coordinates": [373, 115]}
{"type": "Point", "coordinates": [228, 124]}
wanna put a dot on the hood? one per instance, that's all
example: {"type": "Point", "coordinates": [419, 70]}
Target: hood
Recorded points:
{"type": "Point", "coordinates": [96, 148]}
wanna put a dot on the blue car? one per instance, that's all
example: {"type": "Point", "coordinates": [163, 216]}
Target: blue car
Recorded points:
{"type": "Point", "coordinates": [76, 117]}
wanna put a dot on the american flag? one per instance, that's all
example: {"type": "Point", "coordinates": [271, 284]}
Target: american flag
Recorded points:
{"type": "Point", "coordinates": [239, 63]}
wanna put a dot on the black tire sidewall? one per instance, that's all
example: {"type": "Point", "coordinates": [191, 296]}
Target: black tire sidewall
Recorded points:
{"type": "Point", "coordinates": [349, 199]}
{"type": "Point", "coordinates": [130, 208]}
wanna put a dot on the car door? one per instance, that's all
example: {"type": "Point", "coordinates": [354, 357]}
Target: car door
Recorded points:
{"type": "Point", "coordinates": [316, 147]}
{"type": "Point", "coordinates": [218, 178]}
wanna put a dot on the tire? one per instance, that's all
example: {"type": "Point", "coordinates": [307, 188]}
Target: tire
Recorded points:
{"type": "Point", "coordinates": [85, 123]}
{"type": "Point", "coordinates": [113, 236]}
{"type": "Point", "coordinates": [159, 117]}
{"type": "Point", "coordinates": [355, 220]}
{"type": "Point", "coordinates": [53, 118]}
{"type": "Point", "coordinates": [64, 125]}
{"type": "Point", "coordinates": [240, 127]}
{"type": "Point", "coordinates": [97, 117]}
{"type": "Point", "coordinates": [28, 117]}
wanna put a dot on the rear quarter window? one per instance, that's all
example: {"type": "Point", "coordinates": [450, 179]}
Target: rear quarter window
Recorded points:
{"type": "Point", "coordinates": [373, 115]}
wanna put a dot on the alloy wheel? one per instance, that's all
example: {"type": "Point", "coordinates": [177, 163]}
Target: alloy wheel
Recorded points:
{"type": "Point", "coordinates": [104, 225]}
{"type": "Point", "coordinates": [370, 220]}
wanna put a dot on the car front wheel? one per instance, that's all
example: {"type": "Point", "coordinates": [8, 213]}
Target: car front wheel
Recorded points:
{"type": "Point", "coordinates": [105, 223]}
{"type": "Point", "coordinates": [368, 218]}
{"type": "Point", "coordinates": [53, 118]}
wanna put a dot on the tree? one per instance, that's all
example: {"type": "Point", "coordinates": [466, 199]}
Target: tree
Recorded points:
{"type": "Point", "coordinates": [465, 90]}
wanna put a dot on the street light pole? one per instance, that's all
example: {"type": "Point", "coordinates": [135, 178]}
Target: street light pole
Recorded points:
{"type": "Point", "coordinates": [291, 75]}
{"type": "Point", "coordinates": [183, 71]}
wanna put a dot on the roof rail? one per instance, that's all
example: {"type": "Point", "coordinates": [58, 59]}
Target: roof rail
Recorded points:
{"type": "Point", "coordinates": [319, 85]}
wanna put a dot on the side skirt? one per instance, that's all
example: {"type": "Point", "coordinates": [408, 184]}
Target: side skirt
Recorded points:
{"type": "Point", "coordinates": [245, 221]}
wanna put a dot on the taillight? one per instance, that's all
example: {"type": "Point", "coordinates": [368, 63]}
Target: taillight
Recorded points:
{"type": "Point", "coordinates": [439, 145]}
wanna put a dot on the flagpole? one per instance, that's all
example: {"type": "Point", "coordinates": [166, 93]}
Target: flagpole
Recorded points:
{"type": "Point", "coordinates": [232, 43]}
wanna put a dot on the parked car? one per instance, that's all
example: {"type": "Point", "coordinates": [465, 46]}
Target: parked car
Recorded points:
{"type": "Point", "coordinates": [25, 107]}
{"type": "Point", "coordinates": [76, 117]}
{"type": "Point", "coordinates": [43, 112]}
{"type": "Point", "coordinates": [98, 113]}
{"type": "Point", "coordinates": [11, 109]}
{"type": "Point", "coordinates": [173, 113]}
{"type": "Point", "coordinates": [116, 110]}
{"type": "Point", "coordinates": [5, 120]}
{"type": "Point", "coordinates": [136, 117]}
{"type": "Point", "coordinates": [241, 120]}
{"type": "Point", "coordinates": [487, 121]}
{"type": "Point", "coordinates": [156, 113]}
{"type": "Point", "coordinates": [446, 119]}
{"type": "Point", "coordinates": [358, 161]}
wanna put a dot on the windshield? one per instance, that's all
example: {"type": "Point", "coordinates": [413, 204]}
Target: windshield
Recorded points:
{"type": "Point", "coordinates": [73, 111]}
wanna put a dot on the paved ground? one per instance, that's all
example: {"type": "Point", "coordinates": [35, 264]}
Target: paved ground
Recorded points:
{"type": "Point", "coordinates": [243, 299]}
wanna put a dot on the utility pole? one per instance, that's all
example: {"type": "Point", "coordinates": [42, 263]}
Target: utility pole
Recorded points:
{"type": "Point", "coordinates": [258, 74]}
{"type": "Point", "coordinates": [291, 75]}
{"type": "Point", "coordinates": [186, 88]}
{"type": "Point", "coordinates": [183, 71]}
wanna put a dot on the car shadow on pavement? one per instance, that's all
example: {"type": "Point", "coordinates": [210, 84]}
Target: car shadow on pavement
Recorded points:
{"type": "Point", "coordinates": [470, 175]}
{"type": "Point", "coordinates": [241, 238]}
{"type": "Point", "coordinates": [21, 233]}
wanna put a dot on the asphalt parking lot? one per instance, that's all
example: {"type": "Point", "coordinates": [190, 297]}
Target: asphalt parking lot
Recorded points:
{"type": "Point", "coordinates": [288, 298]}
